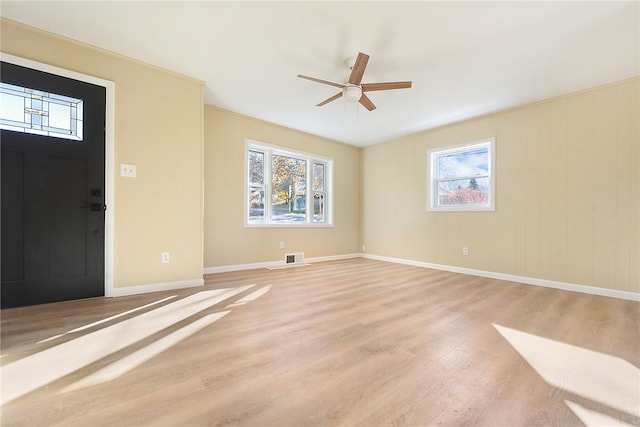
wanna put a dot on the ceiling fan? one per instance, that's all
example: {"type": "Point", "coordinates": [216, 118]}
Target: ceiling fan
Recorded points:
{"type": "Point", "coordinates": [353, 90]}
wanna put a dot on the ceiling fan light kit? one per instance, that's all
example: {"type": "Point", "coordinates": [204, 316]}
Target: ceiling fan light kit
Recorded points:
{"type": "Point", "coordinates": [353, 90]}
{"type": "Point", "coordinates": [352, 94]}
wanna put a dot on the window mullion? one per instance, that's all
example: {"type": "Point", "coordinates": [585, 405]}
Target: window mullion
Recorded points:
{"type": "Point", "coordinates": [309, 190]}
{"type": "Point", "coordinates": [267, 185]}
{"type": "Point", "coordinates": [461, 178]}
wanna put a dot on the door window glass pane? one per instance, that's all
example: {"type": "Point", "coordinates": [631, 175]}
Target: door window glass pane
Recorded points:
{"type": "Point", "coordinates": [42, 113]}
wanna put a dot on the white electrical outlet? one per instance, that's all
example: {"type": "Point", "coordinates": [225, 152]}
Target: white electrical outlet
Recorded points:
{"type": "Point", "coordinates": [282, 244]}
{"type": "Point", "coordinates": [364, 248]}
{"type": "Point", "coordinates": [166, 257]}
{"type": "Point", "coordinates": [465, 251]}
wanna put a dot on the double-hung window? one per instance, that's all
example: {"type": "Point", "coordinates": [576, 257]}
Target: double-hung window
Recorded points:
{"type": "Point", "coordinates": [287, 187]}
{"type": "Point", "coordinates": [462, 177]}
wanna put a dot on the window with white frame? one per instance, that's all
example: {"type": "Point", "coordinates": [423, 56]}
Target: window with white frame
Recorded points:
{"type": "Point", "coordinates": [286, 187]}
{"type": "Point", "coordinates": [462, 177]}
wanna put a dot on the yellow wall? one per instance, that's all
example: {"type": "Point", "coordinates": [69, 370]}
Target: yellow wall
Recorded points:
{"type": "Point", "coordinates": [158, 127]}
{"type": "Point", "coordinates": [227, 240]}
{"type": "Point", "coordinates": [567, 206]}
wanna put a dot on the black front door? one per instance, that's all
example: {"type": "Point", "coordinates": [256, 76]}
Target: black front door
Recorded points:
{"type": "Point", "coordinates": [53, 199]}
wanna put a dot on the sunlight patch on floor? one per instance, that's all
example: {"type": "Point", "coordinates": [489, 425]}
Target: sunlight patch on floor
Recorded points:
{"type": "Point", "coordinates": [251, 297]}
{"type": "Point", "coordinates": [133, 360]}
{"type": "Point", "coordinates": [593, 418]}
{"type": "Point", "coordinates": [108, 319]}
{"type": "Point", "coordinates": [600, 377]}
{"type": "Point", "coordinates": [28, 374]}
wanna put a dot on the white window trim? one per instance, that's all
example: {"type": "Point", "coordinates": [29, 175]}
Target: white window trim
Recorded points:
{"type": "Point", "coordinates": [250, 144]}
{"type": "Point", "coordinates": [432, 179]}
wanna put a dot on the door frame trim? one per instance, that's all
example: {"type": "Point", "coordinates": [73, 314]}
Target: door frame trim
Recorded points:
{"type": "Point", "coordinates": [109, 158]}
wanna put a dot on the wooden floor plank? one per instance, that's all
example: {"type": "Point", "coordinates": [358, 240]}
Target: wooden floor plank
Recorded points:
{"type": "Point", "coordinates": [342, 343]}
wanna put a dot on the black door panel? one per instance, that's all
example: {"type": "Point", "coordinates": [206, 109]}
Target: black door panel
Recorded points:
{"type": "Point", "coordinates": [52, 240]}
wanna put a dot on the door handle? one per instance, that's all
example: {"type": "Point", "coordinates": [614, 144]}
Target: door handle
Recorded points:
{"type": "Point", "coordinates": [95, 207]}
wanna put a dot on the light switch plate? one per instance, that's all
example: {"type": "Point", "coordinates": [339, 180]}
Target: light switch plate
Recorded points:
{"type": "Point", "coordinates": [128, 170]}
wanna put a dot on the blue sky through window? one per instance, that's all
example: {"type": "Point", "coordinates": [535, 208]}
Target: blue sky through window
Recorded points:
{"type": "Point", "coordinates": [464, 164]}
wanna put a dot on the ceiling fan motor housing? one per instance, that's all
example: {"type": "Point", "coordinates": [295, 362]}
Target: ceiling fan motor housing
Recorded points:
{"type": "Point", "coordinates": [352, 93]}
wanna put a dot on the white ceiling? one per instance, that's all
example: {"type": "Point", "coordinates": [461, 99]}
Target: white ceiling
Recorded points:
{"type": "Point", "coordinates": [465, 58]}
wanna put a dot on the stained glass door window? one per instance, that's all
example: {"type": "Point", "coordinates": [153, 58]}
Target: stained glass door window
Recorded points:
{"type": "Point", "coordinates": [42, 113]}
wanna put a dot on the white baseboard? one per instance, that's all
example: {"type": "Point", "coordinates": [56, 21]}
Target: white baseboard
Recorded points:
{"type": "Point", "coordinates": [152, 287]}
{"type": "Point", "coordinates": [594, 290]}
{"type": "Point", "coordinates": [285, 266]}
{"type": "Point", "coordinates": [274, 264]}
{"type": "Point", "coordinates": [333, 258]}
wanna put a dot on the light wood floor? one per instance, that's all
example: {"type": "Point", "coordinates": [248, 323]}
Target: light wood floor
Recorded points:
{"type": "Point", "coordinates": [343, 343]}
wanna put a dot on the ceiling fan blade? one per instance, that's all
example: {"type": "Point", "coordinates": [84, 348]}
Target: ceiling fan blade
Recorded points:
{"type": "Point", "coordinates": [369, 87]}
{"type": "Point", "coordinates": [358, 69]}
{"type": "Point", "coordinates": [366, 102]}
{"type": "Point", "coordinates": [328, 100]}
{"type": "Point", "coordinates": [326, 82]}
